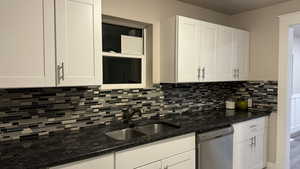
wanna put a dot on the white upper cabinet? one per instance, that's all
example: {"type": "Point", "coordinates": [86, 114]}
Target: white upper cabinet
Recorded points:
{"type": "Point", "coordinates": [202, 52]}
{"type": "Point", "coordinates": [242, 49]}
{"type": "Point", "coordinates": [225, 54]}
{"type": "Point", "coordinates": [27, 47]}
{"type": "Point", "coordinates": [48, 43]}
{"type": "Point", "coordinates": [78, 42]}
{"type": "Point", "coordinates": [187, 50]}
{"type": "Point", "coordinates": [208, 52]}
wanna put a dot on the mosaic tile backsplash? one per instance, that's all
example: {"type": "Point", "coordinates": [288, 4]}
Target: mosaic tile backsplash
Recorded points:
{"type": "Point", "coordinates": [43, 111]}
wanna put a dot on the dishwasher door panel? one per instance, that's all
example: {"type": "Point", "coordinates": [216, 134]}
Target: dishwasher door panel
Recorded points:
{"type": "Point", "coordinates": [216, 153]}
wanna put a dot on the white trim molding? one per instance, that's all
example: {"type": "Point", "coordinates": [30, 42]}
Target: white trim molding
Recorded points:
{"type": "Point", "coordinates": [284, 88]}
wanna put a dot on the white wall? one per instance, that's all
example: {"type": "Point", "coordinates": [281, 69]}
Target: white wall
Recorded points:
{"type": "Point", "coordinates": [155, 11]}
{"type": "Point", "coordinates": [296, 65]}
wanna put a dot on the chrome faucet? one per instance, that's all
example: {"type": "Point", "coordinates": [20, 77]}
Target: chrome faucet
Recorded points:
{"type": "Point", "coordinates": [129, 113]}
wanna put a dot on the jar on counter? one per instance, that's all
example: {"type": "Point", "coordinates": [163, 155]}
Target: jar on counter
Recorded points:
{"type": "Point", "coordinates": [230, 104]}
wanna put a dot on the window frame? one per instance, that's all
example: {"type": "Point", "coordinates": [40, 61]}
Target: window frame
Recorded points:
{"type": "Point", "coordinates": [143, 62]}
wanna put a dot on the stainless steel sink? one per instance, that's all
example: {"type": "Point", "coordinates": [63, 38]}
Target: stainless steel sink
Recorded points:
{"type": "Point", "coordinates": [156, 128]}
{"type": "Point", "coordinates": [125, 134]}
{"type": "Point", "coordinates": [150, 129]}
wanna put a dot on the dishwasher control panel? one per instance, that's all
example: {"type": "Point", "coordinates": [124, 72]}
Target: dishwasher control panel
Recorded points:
{"type": "Point", "coordinates": [215, 134]}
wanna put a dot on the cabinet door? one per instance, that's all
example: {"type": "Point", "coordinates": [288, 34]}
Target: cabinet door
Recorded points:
{"type": "Point", "coordinates": [225, 55]}
{"type": "Point", "coordinates": [155, 165]}
{"type": "Point", "coordinates": [243, 156]}
{"type": "Point", "coordinates": [258, 152]}
{"type": "Point", "coordinates": [187, 53]}
{"type": "Point", "coordinates": [242, 41]}
{"type": "Point", "coordinates": [181, 161]}
{"type": "Point", "coordinates": [78, 36]}
{"type": "Point", "coordinates": [104, 162]}
{"type": "Point", "coordinates": [208, 51]}
{"type": "Point", "coordinates": [27, 47]}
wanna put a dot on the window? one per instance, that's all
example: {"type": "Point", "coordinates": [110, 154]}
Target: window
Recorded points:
{"type": "Point", "coordinates": [117, 70]}
{"type": "Point", "coordinates": [124, 58]}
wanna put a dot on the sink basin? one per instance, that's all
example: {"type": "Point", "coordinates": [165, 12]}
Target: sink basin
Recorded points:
{"type": "Point", "coordinates": [156, 128]}
{"type": "Point", "coordinates": [125, 134]}
{"type": "Point", "coordinates": [150, 129]}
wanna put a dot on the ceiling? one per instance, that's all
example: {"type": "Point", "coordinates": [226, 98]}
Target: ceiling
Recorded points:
{"type": "Point", "coordinates": [232, 7]}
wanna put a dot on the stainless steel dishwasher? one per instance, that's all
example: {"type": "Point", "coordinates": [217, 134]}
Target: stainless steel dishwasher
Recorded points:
{"type": "Point", "coordinates": [215, 149]}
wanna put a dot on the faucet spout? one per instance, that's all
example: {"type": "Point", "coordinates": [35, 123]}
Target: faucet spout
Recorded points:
{"type": "Point", "coordinates": [129, 113]}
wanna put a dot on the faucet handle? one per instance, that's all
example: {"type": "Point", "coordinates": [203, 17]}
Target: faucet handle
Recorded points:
{"type": "Point", "coordinates": [127, 110]}
{"type": "Point", "coordinates": [139, 111]}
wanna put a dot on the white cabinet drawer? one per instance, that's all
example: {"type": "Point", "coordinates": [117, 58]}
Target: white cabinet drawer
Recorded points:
{"type": "Point", "coordinates": [105, 162]}
{"type": "Point", "coordinates": [181, 161]}
{"type": "Point", "coordinates": [248, 129]}
{"type": "Point", "coordinates": [142, 155]}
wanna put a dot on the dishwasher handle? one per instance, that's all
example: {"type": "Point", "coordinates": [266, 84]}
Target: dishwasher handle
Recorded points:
{"type": "Point", "coordinates": [215, 134]}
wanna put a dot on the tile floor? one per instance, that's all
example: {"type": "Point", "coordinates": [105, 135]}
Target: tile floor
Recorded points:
{"type": "Point", "coordinates": [295, 153]}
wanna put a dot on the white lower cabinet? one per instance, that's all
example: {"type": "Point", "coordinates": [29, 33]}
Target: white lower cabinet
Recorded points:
{"type": "Point", "coordinates": [181, 161]}
{"type": "Point", "coordinates": [103, 162]}
{"type": "Point", "coordinates": [154, 165]}
{"type": "Point", "coordinates": [174, 153]}
{"type": "Point", "coordinates": [242, 161]}
{"type": "Point", "coordinates": [250, 144]}
{"type": "Point", "coordinates": [184, 160]}
{"type": "Point", "coordinates": [249, 155]}
{"type": "Point", "coordinates": [259, 156]}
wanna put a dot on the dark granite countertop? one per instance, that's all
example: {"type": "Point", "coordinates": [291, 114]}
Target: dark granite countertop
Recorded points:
{"type": "Point", "coordinates": [69, 146]}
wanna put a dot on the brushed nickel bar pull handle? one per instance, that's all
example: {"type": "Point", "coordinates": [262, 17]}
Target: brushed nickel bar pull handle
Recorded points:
{"type": "Point", "coordinates": [63, 71]}
{"type": "Point", "coordinates": [58, 73]}
{"type": "Point", "coordinates": [199, 73]}
{"type": "Point", "coordinates": [203, 73]}
{"type": "Point", "coordinates": [234, 73]}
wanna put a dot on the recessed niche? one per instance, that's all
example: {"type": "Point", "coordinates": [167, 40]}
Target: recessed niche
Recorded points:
{"type": "Point", "coordinates": [112, 36]}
